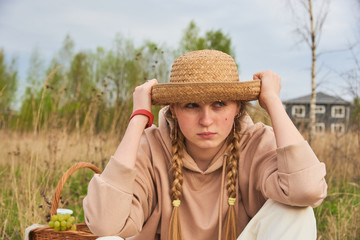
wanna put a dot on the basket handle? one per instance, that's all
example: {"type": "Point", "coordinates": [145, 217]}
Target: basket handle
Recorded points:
{"type": "Point", "coordinates": [62, 181]}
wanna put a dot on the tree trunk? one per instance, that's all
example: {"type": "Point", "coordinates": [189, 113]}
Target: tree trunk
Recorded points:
{"type": "Point", "coordinates": [312, 121]}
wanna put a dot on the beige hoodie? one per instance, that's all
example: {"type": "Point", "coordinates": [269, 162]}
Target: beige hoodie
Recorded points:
{"type": "Point", "coordinates": [128, 202]}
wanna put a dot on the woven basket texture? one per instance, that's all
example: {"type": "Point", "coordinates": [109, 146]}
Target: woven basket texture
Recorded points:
{"type": "Point", "coordinates": [82, 231]}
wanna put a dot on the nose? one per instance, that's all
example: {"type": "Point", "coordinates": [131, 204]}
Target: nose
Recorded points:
{"type": "Point", "coordinates": [205, 117]}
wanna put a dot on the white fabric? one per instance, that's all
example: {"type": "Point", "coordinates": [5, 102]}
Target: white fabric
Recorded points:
{"type": "Point", "coordinates": [276, 221]}
{"type": "Point", "coordinates": [110, 238]}
{"type": "Point", "coordinates": [28, 230]}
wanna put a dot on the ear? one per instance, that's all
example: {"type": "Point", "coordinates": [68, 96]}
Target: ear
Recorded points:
{"type": "Point", "coordinates": [238, 106]}
{"type": "Point", "coordinates": [172, 109]}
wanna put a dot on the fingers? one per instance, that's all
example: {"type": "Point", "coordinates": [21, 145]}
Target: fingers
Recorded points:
{"type": "Point", "coordinates": [258, 76]}
{"type": "Point", "coordinates": [270, 87]}
{"type": "Point", "coordinates": [152, 81]}
{"type": "Point", "coordinates": [145, 87]}
{"type": "Point", "coordinates": [264, 74]}
{"type": "Point", "coordinates": [142, 95]}
{"type": "Point", "coordinates": [268, 77]}
{"type": "Point", "coordinates": [147, 84]}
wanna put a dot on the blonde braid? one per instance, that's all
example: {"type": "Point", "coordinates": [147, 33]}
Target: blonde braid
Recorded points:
{"type": "Point", "coordinates": [230, 225]}
{"type": "Point", "coordinates": [176, 187]}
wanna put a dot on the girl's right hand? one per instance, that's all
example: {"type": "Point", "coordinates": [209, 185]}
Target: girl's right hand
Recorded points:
{"type": "Point", "coordinates": [142, 95]}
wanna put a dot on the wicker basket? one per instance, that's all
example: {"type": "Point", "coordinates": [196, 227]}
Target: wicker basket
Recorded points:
{"type": "Point", "coordinates": [82, 231]}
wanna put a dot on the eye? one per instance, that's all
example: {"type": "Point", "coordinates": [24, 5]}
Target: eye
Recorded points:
{"type": "Point", "coordinates": [219, 104]}
{"type": "Point", "coordinates": [191, 105]}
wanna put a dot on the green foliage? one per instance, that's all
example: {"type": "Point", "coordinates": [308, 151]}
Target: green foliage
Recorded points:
{"type": "Point", "coordinates": [355, 112]}
{"type": "Point", "coordinates": [217, 40]}
{"type": "Point", "coordinates": [8, 83]}
{"type": "Point", "coordinates": [66, 53]}
{"type": "Point", "coordinates": [27, 110]}
{"type": "Point", "coordinates": [80, 84]}
{"type": "Point", "coordinates": [338, 215]}
{"type": "Point", "coordinates": [35, 72]}
{"type": "Point", "coordinates": [92, 91]}
{"type": "Point", "coordinates": [191, 40]}
{"type": "Point", "coordinates": [75, 191]}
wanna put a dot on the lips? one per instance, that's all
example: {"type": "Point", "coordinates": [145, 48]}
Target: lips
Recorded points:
{"type": "Point", "coordinates": [206, 135]}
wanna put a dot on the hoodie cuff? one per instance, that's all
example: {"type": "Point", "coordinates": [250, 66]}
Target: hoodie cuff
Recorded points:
{"type": "Point", "coordinates": [296, 157]}
{"type": "Point", "coordinates": [119, 176]}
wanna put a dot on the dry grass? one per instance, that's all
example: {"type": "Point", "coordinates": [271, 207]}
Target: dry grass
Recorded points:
{"type": "Point", "coordinates": [30, 168]}
{"type": "Point", "coordinates": [31, 165]}
{"type": "Point", "coordinates": [341, 153]}
{"type": "Point", "coordinates": [339, 216]}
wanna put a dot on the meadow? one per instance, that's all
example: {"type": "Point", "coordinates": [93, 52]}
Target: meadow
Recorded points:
{"type": "Point", "coordinates": [31, 164]}
{"type": "Point", "coordinates": [79, 114]}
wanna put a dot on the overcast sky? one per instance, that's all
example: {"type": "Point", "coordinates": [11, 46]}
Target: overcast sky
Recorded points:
{"type": "Point", "coordinates": [261, 33]}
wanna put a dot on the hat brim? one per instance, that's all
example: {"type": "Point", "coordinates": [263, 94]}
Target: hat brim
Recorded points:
{"type": "Point", "coordinates": [167, 93]}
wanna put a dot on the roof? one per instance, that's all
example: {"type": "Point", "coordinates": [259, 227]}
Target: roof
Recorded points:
{"type": "Point", "coordinates": [321, 98]}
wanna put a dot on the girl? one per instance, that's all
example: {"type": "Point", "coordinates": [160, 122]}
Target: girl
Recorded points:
{"type": "Point", "coordinates": [207, 171]}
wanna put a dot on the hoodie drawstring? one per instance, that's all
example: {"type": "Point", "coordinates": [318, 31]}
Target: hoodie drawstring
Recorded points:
{"type": "Point", "coordinates": [222, 196]}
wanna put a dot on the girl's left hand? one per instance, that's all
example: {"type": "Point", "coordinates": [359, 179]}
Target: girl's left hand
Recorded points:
{"type": "Point", "coordinates": [270, 87]}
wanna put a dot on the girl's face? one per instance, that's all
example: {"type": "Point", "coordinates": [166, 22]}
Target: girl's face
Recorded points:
{"type": "Point", "coordinates": [205, 125]}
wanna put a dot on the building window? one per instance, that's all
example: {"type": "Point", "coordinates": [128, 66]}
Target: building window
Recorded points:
{"type": "Point", "coordinates": [319, 127]}
{"type": "Point", "coordinates": [337, 128]}
{"type": "Point", "coordinates": [338, 112]}
{"type": "Point", "coordinates": [298, 111]}
{"type": "Point", "coordinates": [320, 109]}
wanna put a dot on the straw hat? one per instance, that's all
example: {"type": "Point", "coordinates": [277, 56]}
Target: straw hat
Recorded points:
{"type": "Point", "coordinates": [204, 76]}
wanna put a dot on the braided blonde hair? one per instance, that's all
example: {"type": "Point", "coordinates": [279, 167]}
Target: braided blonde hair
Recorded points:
{"type": "Point", "coordinates": [231, 230]}
{"type": "Point", "coordinates": [177, 142]}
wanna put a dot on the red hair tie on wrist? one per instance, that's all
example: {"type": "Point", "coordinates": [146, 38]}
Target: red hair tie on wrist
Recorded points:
{"type": "Point", "coordinates": [145, 113]}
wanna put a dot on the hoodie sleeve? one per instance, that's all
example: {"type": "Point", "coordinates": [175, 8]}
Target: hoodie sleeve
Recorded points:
{"type": "Point", "coordinates": [292, 175]}
{"type": "Point", "coordinates": [120, 199]}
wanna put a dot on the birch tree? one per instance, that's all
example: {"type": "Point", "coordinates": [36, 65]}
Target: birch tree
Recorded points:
{"type": "Point", "coordinates": [310, 16]}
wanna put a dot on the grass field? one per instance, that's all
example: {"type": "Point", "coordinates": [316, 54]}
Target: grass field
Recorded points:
{"type": "Point", "coordinates": [31, 165]}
